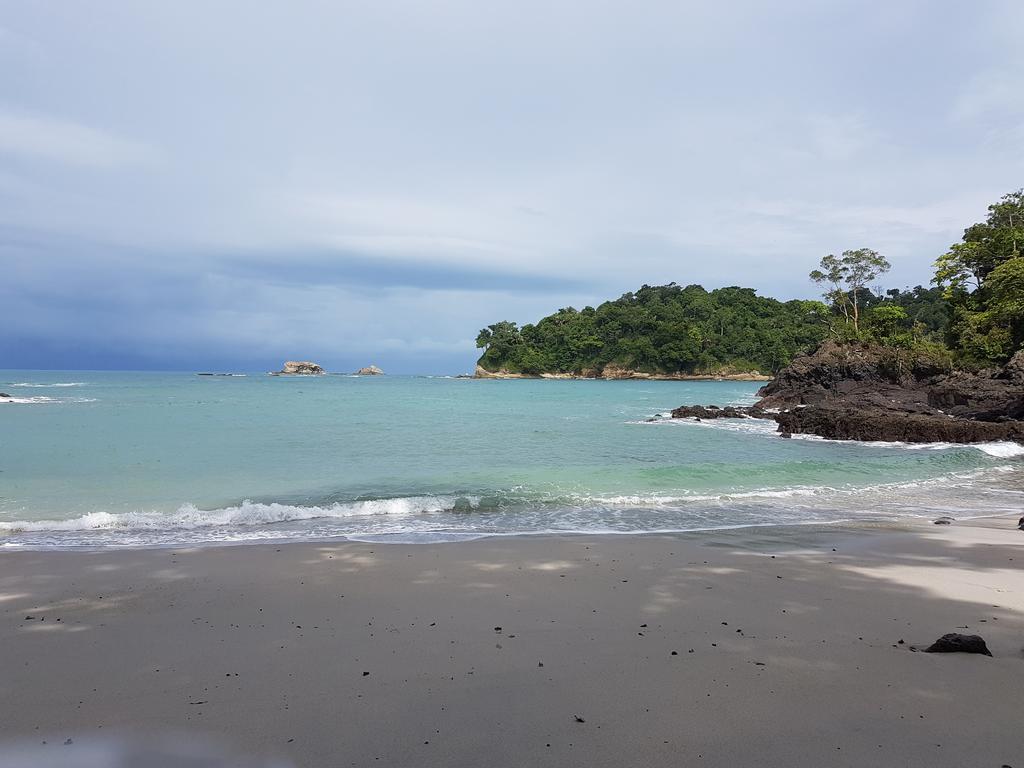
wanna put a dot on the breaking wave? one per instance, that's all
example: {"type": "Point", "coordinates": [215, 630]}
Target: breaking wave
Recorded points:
{"type": "Point", "coordinates": [457, 516]}
{"type": "Point", "coordinates": [40, 399]}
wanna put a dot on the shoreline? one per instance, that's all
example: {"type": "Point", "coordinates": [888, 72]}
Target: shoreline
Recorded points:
{"type": "Point", "coordinates": [787, 648]}
{"type": "Point", "coordinates": [404, 539]}
{"type": "Point", "coordinates": [620, 374]}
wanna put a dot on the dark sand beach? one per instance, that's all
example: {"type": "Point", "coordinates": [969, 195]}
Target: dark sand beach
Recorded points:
{"type": "Point", "coordinates": [770, 647]}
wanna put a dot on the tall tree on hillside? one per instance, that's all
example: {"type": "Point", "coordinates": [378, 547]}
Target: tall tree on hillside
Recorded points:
{"type": "Point", "coordinates": [846, 278]}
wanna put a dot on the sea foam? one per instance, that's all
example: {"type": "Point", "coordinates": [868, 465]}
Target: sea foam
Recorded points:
{"type": "Point", "coordinates": [248, 513]}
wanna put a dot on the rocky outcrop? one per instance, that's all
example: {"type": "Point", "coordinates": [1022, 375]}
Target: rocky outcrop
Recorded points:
{"type": "Point", "coordinates": [370, 370]}
{"type": "Point", "coordinates": [615, 373]}
{"type": "Point", "coordinates": [714, 412]}
{"type": "Point", "coordinates": [301, 368]}
{"type": "Point", "coordinates": [842, 369]}
{"type": "Point", "coordinates": [869, 392]}
{"type": "Point", "coordinates": [860, 422]}
{"type": "Point", "coordinates": [483, 373]}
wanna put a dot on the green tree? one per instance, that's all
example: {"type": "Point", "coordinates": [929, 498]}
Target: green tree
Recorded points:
{"type": "Point", "coordinates": [986, 245]}
{"type": "Point", "coordinates": [661, 329]}
{"type": "Point", "coordinates": [1006, 300]}
{"type": "Point", "coordinates": [847, 277]}
{"type": "Point", "coordinates": [890, 324]}
{"type": "Point", "coordinates": [983, 279]}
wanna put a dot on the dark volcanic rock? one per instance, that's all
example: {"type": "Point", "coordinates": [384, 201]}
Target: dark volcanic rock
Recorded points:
{"type": "Point", "coordinates": [856, 391]}
{"type": "Point", "coordinates": [869, 392]}
{"type": "Point", "coordinates": [835, 370]}
{"type": "Point", "coordinates": [839, 421]}
{"type": "Point", "coordinates": [957, 643]}
{"type": "Point", "coordinates": [1013, 371]}
{"type": "Point", "coordinates": [715, 412]}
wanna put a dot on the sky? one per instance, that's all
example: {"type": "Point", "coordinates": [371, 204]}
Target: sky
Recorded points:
{"type": "Point", "coordinates": [226, 185]}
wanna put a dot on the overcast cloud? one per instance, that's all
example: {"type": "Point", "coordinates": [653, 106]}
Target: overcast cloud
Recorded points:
{"type": "Point", "coordinates": [227, 184]}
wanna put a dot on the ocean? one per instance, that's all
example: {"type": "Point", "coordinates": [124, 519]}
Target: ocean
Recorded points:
{"type": "Point", "coordinates": [115, 459]}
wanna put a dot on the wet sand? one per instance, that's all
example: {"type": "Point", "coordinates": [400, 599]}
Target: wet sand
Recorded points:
{"type": "Point", "coordinates": [767, 647]}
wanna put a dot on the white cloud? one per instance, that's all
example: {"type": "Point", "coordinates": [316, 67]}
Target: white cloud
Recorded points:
{"type": "Point", "coordinates": [67, 142]}
{"type": "Point", "coordinates": [695, 142]}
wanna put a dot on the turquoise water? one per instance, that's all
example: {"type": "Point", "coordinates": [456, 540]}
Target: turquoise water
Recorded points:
{"type": "Point", "coordinates": [113, 458]}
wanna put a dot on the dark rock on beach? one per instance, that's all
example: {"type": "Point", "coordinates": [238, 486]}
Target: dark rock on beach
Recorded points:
{"type": "Point", "coordinates": [856, 391]}
{"type": "Point", "coordinates": [957, 643]}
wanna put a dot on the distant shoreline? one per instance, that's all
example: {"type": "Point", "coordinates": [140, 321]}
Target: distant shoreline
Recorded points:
{"type": "Point", "coordinates": [623, 375]}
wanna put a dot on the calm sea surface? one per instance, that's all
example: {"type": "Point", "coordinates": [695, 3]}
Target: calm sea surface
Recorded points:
{"type": "Point", "coordinates": [112, 458]}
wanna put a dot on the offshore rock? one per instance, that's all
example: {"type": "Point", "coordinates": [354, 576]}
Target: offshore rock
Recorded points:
{"type": "Point", "coordinates": [370, 370]}
{"type": "Point", "coordinates": [301, 368]}
{"type": "Point", "coordinates": [715, 412]}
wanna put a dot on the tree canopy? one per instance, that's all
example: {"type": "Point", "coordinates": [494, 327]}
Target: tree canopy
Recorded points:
{"type": "Point", "coordinates": [974, 314]}
{"type": "Point", "coordinates": [847, 278]}
{"type": "Point", "coordinates": [661, 329]}
{"type": "Point", "coordinates": [982, 277]}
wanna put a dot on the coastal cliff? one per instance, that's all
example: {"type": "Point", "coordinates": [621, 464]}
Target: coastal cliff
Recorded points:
{"type": "Point", "coordinates": [859, 391]}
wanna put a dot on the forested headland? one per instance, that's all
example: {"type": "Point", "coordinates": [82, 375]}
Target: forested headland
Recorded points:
{"type": "Point", "coordinates": [971, 314]}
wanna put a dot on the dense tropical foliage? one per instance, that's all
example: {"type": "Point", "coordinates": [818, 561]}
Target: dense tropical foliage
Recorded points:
{"type": "Point", "coordinates": [974, 315]}
{"type": "Point", "coordinates": [661, 329]}
{"type": "Point", "coordinates": [983, 279]}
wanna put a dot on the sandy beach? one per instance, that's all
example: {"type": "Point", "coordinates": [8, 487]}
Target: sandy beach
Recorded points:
{"type": "Point", "coordinates": [769, 647]}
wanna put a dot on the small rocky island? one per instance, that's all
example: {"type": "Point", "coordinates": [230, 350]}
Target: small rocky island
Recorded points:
{"type": "Point", "coordinates": [370, 370]}
{"type": "Point", "coordinates": [300, 368]}
{"type": "Point", "coordinates": [859, 391]}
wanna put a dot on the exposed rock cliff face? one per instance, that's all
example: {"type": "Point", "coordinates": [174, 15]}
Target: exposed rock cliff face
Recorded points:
{"type": "Point", "coordinates": [483, 373]}
{"type": "Point", "coordinates": [869, 392]}
{"type": "Point", "coordinates": [370, 370]}
{"type": "Point", "coordinates": [301, 368]}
